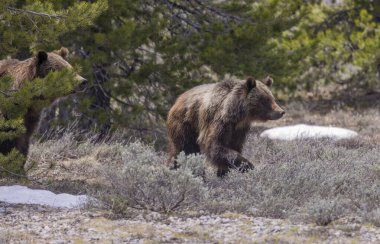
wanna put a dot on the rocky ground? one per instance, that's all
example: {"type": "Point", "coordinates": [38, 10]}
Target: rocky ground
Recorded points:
{"type": "Point", "coordinates": [37, 224]}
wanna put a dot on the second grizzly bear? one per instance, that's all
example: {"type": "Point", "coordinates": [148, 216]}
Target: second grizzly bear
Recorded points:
{"type": "Point", "coordinates": [25, 71]}
{"type": "Point", "coordinates": [214, 119]}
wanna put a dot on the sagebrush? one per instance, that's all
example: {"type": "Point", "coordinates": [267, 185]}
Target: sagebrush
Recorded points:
{"type": "Point", "coordinates": [309, 180]}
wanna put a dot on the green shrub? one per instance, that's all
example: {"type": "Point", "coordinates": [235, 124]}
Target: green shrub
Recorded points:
{"type": "Point", "coordinates": [12, 164]}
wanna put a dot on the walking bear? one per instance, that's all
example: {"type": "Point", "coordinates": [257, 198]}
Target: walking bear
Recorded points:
{"type": "Point", "coordinates": [214, 119]}
{"type": "Point", "coordinates": [26, 71]}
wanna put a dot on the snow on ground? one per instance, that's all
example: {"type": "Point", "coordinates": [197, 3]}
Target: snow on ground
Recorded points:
{"type": "Point", "coordinates": [25, 195]}
{"type": "Point", "coordinates": [302, 131]}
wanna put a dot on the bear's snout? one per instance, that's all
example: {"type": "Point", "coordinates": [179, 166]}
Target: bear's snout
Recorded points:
{"type": "Point", "coordinates": [276, 113]}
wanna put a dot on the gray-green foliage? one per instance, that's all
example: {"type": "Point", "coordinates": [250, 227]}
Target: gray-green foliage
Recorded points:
{"type": "Point", "coordinates": [144, 182]}
{"type": "Point", "coordinates": [318, 181]}
{"type": "Point", "coordinates": [323, 212]}
{"type": "Point", "coordinates": [373, 217]}
{"type": "Point", "coordinates": [311, 180]}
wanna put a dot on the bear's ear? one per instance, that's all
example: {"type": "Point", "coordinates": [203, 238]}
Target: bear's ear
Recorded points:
{"type": "Point", "coordinates": [250, 83]}
{"type": "Point", "coordinates": [41, 57]}
{"type": "Point", "coordinates": [63, 52]}
{"type": "Point", "coordinates": [268, 81]}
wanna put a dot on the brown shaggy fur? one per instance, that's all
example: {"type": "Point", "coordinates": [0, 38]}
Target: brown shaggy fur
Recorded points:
{"type": "Point", "coordinates": [214, 119]}
{"type": "Point", "coordinates": [25, 71]}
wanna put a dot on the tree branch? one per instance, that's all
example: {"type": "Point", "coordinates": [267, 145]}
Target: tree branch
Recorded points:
{"type": "Point", "coordinates": [56, 16]}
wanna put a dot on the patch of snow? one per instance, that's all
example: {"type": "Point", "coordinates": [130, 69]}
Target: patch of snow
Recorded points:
{"type": "Point", "coordinates": [25, 195]}
{"type": "Point", "coordinates": [302, 131]}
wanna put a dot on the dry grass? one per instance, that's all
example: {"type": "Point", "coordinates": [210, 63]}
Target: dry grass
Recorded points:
{"type": "Point", "coordinates": [69, 165]}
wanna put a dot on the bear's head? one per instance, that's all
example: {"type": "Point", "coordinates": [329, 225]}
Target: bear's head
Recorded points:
{"type": "Point", "coordinates": [260, 100]}
{"type": "Point", "coordinates": [54, 61]}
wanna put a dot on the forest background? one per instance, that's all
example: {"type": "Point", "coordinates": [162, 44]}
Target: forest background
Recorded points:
{"type": "Point", "coordinates": [140, 55]}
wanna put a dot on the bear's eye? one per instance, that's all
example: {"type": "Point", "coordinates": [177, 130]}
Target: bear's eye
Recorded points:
{"type": "Point", "coordinates": [266, 102]}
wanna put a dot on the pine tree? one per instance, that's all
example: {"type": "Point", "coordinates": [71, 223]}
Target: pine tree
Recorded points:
{"type": "Point", "coordinates": [142, 54]}
{"type": "Point", "coordinates": [337, 43]}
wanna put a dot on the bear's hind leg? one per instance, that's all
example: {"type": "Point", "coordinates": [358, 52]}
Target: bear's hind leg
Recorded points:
{"type": "Point", "coordinates": [182, 140]}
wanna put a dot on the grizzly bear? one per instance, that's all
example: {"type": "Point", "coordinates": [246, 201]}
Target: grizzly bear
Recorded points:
{"type": "Point", "coordinates": [24, 71]}
{"type": "Point", "coordinates": [214, 119]}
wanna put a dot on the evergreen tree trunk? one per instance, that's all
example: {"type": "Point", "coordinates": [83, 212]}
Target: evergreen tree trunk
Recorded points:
{"type": "Point", "coordinates": [101, 98]}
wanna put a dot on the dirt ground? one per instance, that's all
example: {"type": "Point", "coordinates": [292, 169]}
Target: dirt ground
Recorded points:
{"type": "Point", "coordinates": [37, 224]}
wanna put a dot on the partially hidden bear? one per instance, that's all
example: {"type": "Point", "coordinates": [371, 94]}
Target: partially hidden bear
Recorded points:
{"type": "Point", "coordinates": [214, 119]}
{"type": "Point", "coordinates": [26, 71]}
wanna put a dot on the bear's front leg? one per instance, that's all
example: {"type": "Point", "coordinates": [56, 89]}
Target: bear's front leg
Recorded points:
{"type": "Point", "coordinates": [226, 159]}
{"type": "Point", "coordinates": [219, 135]}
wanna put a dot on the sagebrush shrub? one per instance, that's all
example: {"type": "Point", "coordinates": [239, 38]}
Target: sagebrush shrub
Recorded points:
{"type": "Point", "coordinates": [289, 180]}
{"type": "Point", "coordinates": [146, 183]}
{"type": "Point", "coordinates": [323, 212]}
{"type": "Point", "coordinates": [372, 217]}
